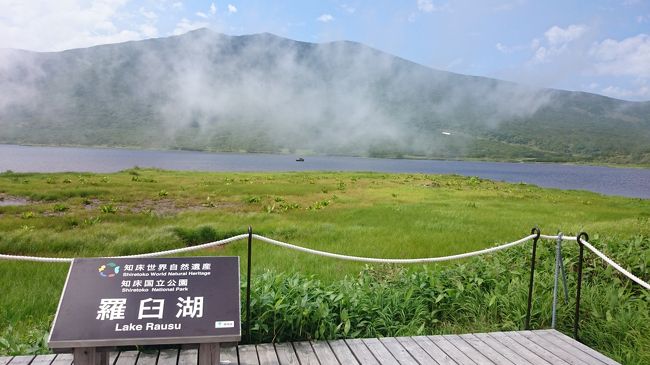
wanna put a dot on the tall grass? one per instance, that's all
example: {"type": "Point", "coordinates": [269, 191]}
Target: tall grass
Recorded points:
{"type": "Point", "coordinates": [484, 294]}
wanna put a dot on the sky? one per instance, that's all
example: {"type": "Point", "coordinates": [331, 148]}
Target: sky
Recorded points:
{"type": "Point", "coordinates": [598, 46]}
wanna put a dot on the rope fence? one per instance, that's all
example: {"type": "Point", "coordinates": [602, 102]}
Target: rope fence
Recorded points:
{"type": "Point", "coordinates": [290, 246]}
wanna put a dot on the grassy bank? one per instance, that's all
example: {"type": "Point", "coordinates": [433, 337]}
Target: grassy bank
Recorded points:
{"type": "Point", "coordinates": [365, 214]}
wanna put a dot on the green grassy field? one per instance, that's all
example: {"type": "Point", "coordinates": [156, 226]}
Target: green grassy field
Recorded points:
{"type": "Point", "coordinates": [365, 214]}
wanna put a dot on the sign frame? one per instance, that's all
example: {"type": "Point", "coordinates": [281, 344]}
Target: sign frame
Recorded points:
{"type": "Point", "coordinates": [210, 340]}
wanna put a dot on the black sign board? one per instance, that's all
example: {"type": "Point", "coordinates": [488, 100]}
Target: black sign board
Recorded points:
{"type": "Point", "coordinates": [131, 301]}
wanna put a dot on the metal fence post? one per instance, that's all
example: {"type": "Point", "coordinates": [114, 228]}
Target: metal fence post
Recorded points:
{"type": "Point", "coordinates": [558, 249]}
{"type": "Point", "coordinates": [576, 320]}
{"type": "Point", "coordinates": [532, 275]}
{"type": "Point", "coordinates": [248, 285]}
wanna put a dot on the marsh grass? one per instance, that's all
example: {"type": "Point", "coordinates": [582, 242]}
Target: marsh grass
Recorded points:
{"type": "Point", "coordinates": [363, 214]}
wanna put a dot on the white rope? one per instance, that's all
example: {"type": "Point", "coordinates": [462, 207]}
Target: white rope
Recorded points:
{"type": "Point", "coordinates": [345, 257]}
{"type": "Point", "coordinates": [186, 249]}
{"type": "Point", "coordinates": [142, 255]}
{"type": "Point", "coordinates": [286, 245]}
{"type": "Point", "coordinates": [34, 258]}
{"type": "Point", "coordinates": [564, 238]}
{"type": "Point", "coordinates": [615, 265]}
{"type": "Point", "coordinates": [392, 261]}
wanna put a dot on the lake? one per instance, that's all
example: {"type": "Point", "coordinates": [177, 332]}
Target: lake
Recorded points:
{"type": "Point", "coordinates": [606, 180]}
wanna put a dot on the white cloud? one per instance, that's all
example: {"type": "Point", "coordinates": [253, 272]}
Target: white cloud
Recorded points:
{"type": "Point", "coordinates": [213, 9]}
{"type": "Point", "coordinates": [348, 8]}
{"type": "Point", "coordinates": [426, 6]}
{"type": "Point", "coordinates": [185, 25]}
{"type": "Point", "coordinates": [202, 14]}
{"type": "Point", "coordinates": [558, 41]}
{"type": "Point", "coordinates": [177, 5]}
{"type": "Point", "coordinates": [148, 14]}
{"type": "Point", "coordinates": [557, 36]}
{"type": "Point", "coordinates": [509, 5]}
{"type": "Point", "coordinates": [501, 48]}
{"type": "Point", "coordinates": [641, 92]}
{"type": "Point", "coordinates": [325, 18]}
{"type": "Point", "coordinates": [232, 8]}
{"type": "Point", "coordinates": [642, 19]}
{"type": "Point", "coordinates": [59, 25]}
{"type": "Point", "coordinates": [630, 57]}
{"type": "Point", "coordinates": [149, 30]}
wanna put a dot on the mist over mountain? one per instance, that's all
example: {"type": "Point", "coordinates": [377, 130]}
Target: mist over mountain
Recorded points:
{"type": "Point", "coordinates": [263, 93]}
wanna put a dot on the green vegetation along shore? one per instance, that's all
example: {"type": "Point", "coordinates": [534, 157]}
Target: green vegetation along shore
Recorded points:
{"type": "Point", "coordinates": [297, 296]}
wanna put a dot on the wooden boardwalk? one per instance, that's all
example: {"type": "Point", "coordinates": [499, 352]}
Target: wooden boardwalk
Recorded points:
{"type": "Point", "coordinates": [512, 348]}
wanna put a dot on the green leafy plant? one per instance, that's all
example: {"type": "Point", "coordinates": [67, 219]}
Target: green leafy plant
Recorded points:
{"type": "Point", "coordinates": [108, 209]}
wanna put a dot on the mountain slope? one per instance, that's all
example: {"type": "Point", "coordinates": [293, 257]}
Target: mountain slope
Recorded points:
{"type": "Point", "coordinates": [208, 91]}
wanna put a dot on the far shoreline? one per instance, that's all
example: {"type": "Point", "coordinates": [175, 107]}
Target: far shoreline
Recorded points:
{"type": "Point", "coordinates": [304, 153]}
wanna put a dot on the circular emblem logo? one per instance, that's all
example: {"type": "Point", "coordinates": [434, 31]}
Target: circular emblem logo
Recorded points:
{"type": "Point", "coordinates": [109, 270]}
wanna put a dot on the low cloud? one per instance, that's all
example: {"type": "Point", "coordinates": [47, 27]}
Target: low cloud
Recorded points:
{"type": "Point", "coordinates": [232, 8]}
{"type": "Point", "coordinates": [213, 8]}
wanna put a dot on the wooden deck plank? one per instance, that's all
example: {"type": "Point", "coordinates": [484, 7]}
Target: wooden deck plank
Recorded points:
{"type": "Point", "coordinates": [343, 352]}
{"type": "Point", "coordinates": [4, 360]}
{"type": "Point", "coordinates": [584, 348]}
{"type": "Point", "coordinates": [127, 358]}
{"type": "Point", "coordinates": [567, 352]}
{"type": "Point", "coordinates": [228, 355]}
{"type": "Point", "coordinates": [433, 350]}
{"type": "Point", "coordinates": [186, 357]}
{"type": "Point", "coordinates": [500, 348]}
{"type": "Point", "coordinates": [324, 353]}
{"type": "Point", "coordinates": [361, 352]}
{"type": "Point", "coordinates": [266, 354]}
{"type": "Point", "coordinates": [147, 358]}
{"type": "Point", "coordinates": [468, 350]}
{"type": "Point", "coordinates": [43, 359]}
{"type": "Point", "coordinates": [485, 350]}
{"type": "Point", "coordinates": [248, 355]}
{"type": "Point", "coordinates": [22, 360]}
{"type": "Point", "coordinates": [64, 359]}
{"type": "Point", "coordinates": [452, 351]}
{"type": "Point", "coordinates": [380, 351]}
{"type": "Point", "coordinates": [529, 356]}
{"type": "Point", "coordinates": [305, 352]}
{"type": "Point", "coordinates": [286, 354]}
{"type": "Point", "coordinates": [415, 350]}
{"type": "Point", "coordinates": [539, 350]}
{"type": "Point", "coordinates": [167, 357]}
{"type": "Point", "coordinates": [112, 357]}
{"type": "Point", "coordinates": [398, 351]}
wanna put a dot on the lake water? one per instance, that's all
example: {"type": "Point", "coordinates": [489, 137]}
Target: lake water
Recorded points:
{"type": "Point", "coordinates": [606, 180]}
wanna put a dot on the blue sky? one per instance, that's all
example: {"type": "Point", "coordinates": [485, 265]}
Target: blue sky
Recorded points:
{"type": "Point", "coordinates": [600, 46]}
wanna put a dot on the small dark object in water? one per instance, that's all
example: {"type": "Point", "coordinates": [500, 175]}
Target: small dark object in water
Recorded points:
{"type": "Point", "coordinates": [300, 159]}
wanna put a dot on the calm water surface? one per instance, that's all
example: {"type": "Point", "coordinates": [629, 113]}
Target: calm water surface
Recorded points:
{"type": "Point", "coordinates": [606, 180]}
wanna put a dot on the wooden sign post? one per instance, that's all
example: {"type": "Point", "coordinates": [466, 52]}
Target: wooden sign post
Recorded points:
{"type": "Point", "coordinates": [109, 302]}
